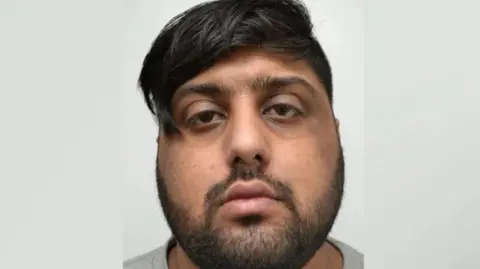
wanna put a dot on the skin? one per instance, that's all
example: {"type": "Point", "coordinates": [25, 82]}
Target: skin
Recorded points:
{"type": "Point", "coordinates": [270, 113]}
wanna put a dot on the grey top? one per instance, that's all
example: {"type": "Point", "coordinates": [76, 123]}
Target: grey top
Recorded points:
{"type": "Point", "coordinates": [157, 259]}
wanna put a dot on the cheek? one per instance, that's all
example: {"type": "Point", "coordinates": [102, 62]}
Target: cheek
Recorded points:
{"type": "Point", "coordinates": [309, 168]}
{"type": "Point", "coordinates": [189, 175]}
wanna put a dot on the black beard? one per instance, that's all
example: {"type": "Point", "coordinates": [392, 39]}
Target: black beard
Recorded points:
{"type": "Point", "coordinates": [289, 246]}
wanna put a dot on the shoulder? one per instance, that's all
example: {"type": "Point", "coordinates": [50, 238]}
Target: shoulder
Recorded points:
{"type": "Point", "coordinates": [155, 259]}
{"type": "Point", "coordinates": [352, 258]}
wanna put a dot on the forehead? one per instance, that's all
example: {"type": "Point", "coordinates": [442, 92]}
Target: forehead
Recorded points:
{"type": "Point", "coordinates": [241, 69]}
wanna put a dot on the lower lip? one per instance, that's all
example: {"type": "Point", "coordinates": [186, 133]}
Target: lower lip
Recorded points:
{"type": "Point", "coordinates": [248, 207]}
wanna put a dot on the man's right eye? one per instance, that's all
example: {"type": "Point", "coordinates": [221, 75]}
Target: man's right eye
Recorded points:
{"type": "Point", "coordinates": [204, 118]}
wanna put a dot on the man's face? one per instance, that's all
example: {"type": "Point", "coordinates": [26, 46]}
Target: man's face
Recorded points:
{"type": "Point", "coordinates": [254, 178]}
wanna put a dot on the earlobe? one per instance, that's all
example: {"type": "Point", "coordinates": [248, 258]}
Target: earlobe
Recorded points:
{"type": "Point", "coordinates": [337, 126]}
{"type": "Point", "coordinates": [159, 136]}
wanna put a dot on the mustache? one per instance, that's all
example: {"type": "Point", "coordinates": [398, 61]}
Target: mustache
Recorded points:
{"type": "Point", "coordinates": [283, 191]}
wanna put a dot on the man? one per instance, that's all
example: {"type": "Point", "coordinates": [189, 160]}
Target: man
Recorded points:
{"type": "Point", "coordinates": [250, 168]}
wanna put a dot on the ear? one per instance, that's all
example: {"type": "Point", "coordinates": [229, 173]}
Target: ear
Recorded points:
{"type": "Point", "coordinates": [159, 135]}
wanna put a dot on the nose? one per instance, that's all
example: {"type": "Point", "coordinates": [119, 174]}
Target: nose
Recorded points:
{"type": "Point", "coordinates": [247, 139]}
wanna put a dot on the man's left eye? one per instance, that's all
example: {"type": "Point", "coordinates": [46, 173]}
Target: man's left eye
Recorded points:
{"type": "Point", "coordinates": [281, 111]}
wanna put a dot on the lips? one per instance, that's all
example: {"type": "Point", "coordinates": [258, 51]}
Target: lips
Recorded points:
{"type": "Point", "coordinates": [249, 190]}
{"type": "Point", "coordinates": [248, 199]}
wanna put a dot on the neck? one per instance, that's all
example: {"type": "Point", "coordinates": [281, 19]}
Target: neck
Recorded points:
{"type": "Point", "coordinates": [327, 257]}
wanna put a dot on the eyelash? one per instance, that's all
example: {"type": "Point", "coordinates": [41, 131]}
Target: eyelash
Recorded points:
{"type": "Point", "coordinates": [191, 121]}
{"type": "Point", "coordinates": [286, 106]}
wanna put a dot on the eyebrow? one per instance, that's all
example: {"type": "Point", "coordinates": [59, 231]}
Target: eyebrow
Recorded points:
{"type": "Point", "coordinates": [271, 83]}
{"type": "Point", "coordinates": [263, 83]}
{"type": "Point", "coordinates": [208, 89]}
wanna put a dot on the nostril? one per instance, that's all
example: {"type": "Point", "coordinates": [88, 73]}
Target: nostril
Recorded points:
{"type": "Point", "coordinates": [257, 160]}
{"type": "Point", "coordinates": [237, 160]}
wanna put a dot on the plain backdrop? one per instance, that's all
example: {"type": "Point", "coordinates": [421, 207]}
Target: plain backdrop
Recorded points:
{"type": "Point", "coordinates": [339, 27]}
{"type": "Point", "coordinates": [76, 178]}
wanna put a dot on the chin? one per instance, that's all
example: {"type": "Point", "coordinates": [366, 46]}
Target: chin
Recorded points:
{"type": "Point", "coordinates": [265, 231]}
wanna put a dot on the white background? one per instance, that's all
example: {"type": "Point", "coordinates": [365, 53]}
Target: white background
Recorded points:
{"type": "Point", "coordinates": [339, 27]}
{"type": "Point", "coordinates": [67, 104]}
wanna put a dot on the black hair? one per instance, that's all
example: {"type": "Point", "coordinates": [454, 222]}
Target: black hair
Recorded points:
{"type": "Point", "coordinates": [196, 39]}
